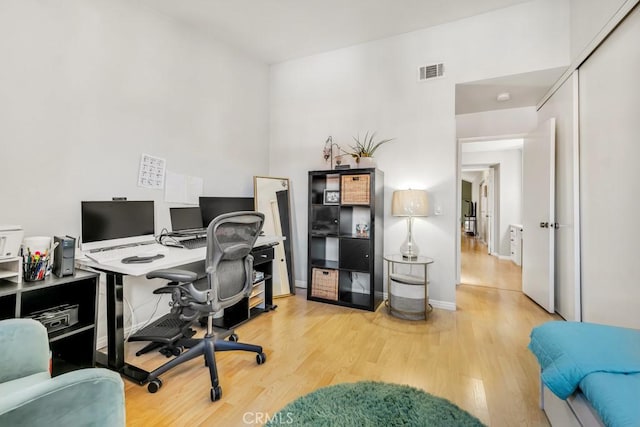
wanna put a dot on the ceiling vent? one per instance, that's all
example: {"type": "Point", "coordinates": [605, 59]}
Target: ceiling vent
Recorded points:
{"type": "Point", "coordinates": [429, 72]}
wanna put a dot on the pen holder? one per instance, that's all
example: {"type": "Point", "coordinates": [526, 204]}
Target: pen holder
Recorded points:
{"type": "Point", "coordinates": [35, 270]}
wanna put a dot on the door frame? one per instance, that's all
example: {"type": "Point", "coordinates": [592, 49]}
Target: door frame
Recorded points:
{"type": "Point", "coordinates": [459, 142]}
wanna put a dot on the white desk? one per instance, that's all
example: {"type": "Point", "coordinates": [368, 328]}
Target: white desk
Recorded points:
{"type": "Point", "coordinates": [174, 258]}
{"type": "Point", "coordinates": [115, 272]}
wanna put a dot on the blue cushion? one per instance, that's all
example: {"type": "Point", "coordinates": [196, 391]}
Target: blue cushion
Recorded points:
{"type": "Point", "coordinates": [569, 351]}
{"type": "Point", "coordinates": [616, 397]}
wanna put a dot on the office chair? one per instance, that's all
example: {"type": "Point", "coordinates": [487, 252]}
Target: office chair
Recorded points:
{"type": "Point", "coordinates": [229, 269]}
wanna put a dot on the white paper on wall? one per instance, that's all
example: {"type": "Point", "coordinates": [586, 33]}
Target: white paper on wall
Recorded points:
{"type": "Point", "coordinates": [152, 172]}
{"type": "Point", "coordinates": [181, 188]}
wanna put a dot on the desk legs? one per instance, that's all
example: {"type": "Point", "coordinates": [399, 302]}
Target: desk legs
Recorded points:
{"type": "Point", "coordinates": [115, 322]}
{"type": "Point", "coordinates": [115, 333]}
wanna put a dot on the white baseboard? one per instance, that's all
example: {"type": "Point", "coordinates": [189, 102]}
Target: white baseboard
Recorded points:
{"type": "Point", "coordinates": [301, 284]}
{"type": "Point", "coordinates": [444, 305]}
{"type": "Point", "coordinates": [504, 257]}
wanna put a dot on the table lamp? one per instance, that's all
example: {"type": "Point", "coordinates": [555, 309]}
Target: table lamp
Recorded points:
{"type": "Point", "coordinates": [409, 203]}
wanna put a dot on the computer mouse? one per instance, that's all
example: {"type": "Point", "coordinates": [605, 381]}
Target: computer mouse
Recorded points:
{"type": "Point", "coordinates": [141, 259]}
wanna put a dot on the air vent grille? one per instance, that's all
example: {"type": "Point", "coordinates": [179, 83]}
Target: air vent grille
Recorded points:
{"type": "Point", "coordinates": [431, 72]}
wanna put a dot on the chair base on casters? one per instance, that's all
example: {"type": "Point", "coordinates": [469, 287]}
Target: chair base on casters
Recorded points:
{"type": "Point", "coordinates": [206, 347]}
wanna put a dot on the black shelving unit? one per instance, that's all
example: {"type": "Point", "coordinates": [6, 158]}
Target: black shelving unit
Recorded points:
{"type": "Point", "coordinates": [349, 263]}
{"type": "Point", "coordinates": [72, 347]}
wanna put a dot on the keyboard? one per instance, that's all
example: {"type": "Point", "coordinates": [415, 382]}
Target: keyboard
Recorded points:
{"type": "Point", "coordinates": [198, 242]}
{"type": "Point", "coordinates": [118, 253]}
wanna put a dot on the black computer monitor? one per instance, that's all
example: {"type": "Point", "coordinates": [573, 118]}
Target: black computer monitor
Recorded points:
{"type": "Point", "coordinates": [186, 219]}
{"type": "Point", "coordinates": [110, 220]}
{"type": "Point", "coordinates": [212, 207]}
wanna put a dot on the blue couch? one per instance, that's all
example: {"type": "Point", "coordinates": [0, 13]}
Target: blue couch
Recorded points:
{"type": "Point", "coordinates": [30, 397]}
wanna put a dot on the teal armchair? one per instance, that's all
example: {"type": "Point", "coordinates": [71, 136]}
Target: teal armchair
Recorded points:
{"type": "Point", "coordinates": [30, 397]}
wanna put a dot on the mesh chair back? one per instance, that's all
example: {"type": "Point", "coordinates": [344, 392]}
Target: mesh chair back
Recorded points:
{"type": "Point", "coordinates": [230, 238]}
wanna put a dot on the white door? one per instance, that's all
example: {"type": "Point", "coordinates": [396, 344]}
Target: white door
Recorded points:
{"type": "Point", "coordinates": [538, 217]}
{"type": "Point", "coordinates": [491, 208]}
{"type": "Point", "coordinates": [483, 212]}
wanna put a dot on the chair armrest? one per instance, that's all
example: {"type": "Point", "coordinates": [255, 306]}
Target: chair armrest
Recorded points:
{"type": "Point", "coordinates": [92, 396]}
{"type": "Point", "coordinates": [174, 275]}
{"type": "Point", "coordinates": [25, 348]}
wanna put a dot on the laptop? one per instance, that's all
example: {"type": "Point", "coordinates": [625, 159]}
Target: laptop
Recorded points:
{"type": "Point", "coordinates": [187, 222]}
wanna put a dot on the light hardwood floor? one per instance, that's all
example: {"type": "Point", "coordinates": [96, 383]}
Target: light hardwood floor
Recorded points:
{"type": "Point", "coordinates": [480, 268]}
{"type": "Point", "coordinates": [476, 357]}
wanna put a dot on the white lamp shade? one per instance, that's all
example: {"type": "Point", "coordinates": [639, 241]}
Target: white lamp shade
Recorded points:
{"type": "Point", "coordinates": [410, 203]}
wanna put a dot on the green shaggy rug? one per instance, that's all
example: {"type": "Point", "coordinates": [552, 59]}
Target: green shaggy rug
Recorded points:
{"type": "Point", "coordinates": [372, 404]}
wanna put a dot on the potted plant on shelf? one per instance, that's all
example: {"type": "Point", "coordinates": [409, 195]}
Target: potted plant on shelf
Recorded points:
{"type": "Point", "coordinates": [362, 151]}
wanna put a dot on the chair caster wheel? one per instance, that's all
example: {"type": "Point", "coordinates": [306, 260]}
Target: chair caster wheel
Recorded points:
{"type": "Point", "coordinates": [261, 358]}
{"type": "Point", "coordinates": [154, 385]}
{"type": "Point", "coordinates": [176, 351]}
{"type": "Point", "coordinates": [166, 352]}
{"type": "Point", "coordinates": [216, 393]}
{"type": "Point", "coordinates": [233, 337]}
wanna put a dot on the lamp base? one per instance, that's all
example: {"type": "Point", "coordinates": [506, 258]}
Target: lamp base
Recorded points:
{"type": "Point", "coordinates": [409, 249]}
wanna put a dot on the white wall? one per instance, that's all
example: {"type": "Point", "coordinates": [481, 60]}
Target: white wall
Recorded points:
{"type": "Point", "coordinates": [509, 188]}
{"type": "Point", "coordinates": [561, 106]}
{"type": "Point", "coordinates": [512, 121]}
{"type": "Point", "coordinates": [587, 19]}
{"type": "Point", "coordinates": [373, 86]}
{"type": "Point", "coordinates": [87, 86]}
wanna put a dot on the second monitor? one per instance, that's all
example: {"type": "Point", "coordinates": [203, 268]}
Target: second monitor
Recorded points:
{"type": "Point", "coordinates": [186, 219]}
{"type": "Point", "coordinates": [211, 207]}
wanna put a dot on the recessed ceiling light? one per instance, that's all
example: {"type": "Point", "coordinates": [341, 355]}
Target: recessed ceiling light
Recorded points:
{"type": "Point", "coordinates": [504, 96]}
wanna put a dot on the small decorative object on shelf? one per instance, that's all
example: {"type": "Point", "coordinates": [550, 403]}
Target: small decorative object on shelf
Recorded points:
{"type": "Point", "coordinates": [327, 153]}
{"type": "Point", "coordinates": [331, 197]}
{"type": "Point", "coordinates": [362, 230]}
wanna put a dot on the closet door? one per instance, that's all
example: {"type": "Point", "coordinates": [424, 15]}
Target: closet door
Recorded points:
{"type": "Point", "coordinates": [610, 177]}
{"type": "Point", "coordinates": [563, 106]}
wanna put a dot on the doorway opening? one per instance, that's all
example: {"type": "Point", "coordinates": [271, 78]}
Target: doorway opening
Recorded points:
{"type": "Point", "coordinates": [491, 199]}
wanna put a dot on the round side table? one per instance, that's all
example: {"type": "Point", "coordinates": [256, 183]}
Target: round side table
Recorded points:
{"type": "Point", "coordinates": [414, 304]}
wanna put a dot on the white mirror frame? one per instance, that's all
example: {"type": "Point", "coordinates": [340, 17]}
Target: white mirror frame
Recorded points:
{"type": "Point", "coordinates": [265, 190]}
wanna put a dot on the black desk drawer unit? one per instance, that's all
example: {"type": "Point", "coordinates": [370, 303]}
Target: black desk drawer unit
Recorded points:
{"type": "Point", "coordinates": [244, 310]}
{"type": "Point", "coordinates": [262, 255]}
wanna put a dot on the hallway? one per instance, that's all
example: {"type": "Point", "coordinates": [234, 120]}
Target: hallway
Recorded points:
{"type": "Point", "coordinates": [481, 269]}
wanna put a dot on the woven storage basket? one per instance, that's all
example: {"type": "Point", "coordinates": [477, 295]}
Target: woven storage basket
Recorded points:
{"type": "Point", "coordinates": [324, 284]}
{"type": "Point", "coordinates": [355, 189]}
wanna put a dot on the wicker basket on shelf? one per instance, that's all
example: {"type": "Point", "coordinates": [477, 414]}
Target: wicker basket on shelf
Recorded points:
{"type": "Point", "coordinates": [355, 189]}
{"type": "Point", "coordinates": [324, 284]}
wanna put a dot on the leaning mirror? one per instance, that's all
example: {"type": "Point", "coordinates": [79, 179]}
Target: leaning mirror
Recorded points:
{"type": "Point", "coordinates": [271, 197]}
